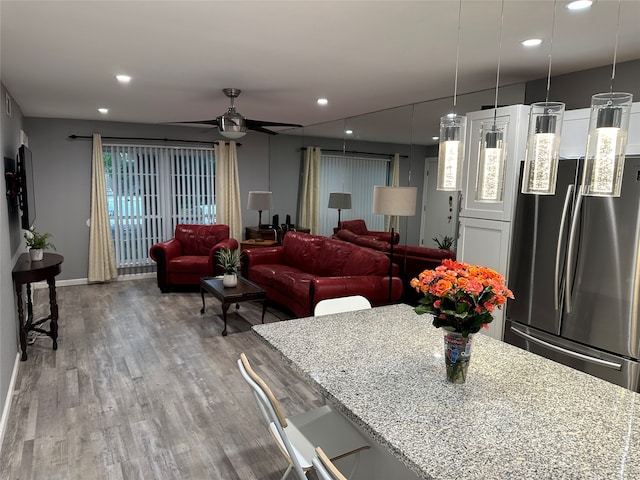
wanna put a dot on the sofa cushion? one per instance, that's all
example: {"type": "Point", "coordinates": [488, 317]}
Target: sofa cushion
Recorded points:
{"type": "Point", "coordinates": [283, 278]}
{"type": "Point", "coordinates": [372, 242]}
{"type": "Point", "coordinates": [190, 264]}
{"type": "Point", "coordinates": [358, 226]}
{"type": "Point", "coordinates": [347, 235]}
{"type": "Point", "coordinates": [200, 239]}
{"type": "Point", "coordinates": [301, 251]}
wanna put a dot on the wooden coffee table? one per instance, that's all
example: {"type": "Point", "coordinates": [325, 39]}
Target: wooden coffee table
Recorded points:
{"type": "Point", "coordinates": [244, 291]}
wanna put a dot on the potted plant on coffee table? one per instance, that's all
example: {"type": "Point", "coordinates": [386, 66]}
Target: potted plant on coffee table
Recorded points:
{"type": "Point", "coordinates": [229, 260]}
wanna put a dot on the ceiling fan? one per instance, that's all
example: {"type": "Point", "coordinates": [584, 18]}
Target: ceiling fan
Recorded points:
{"type": "Point", "coordinates": [234, 125]}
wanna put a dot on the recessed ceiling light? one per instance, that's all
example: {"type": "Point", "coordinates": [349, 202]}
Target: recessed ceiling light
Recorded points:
{"type": "Point", "coordinates": [348, 132]}
{"type": "Point", "coordinates": [579, 4]}
{"type": "Point", "coordinates": [435, 138]}
{"type": "Point", "coordinates": [531, 42]}
{"type": "Point", "coordinates": [123, 78]}
{"type": "Point", "coordinates": [103, 110]}
{"type": "Point", "coordinates": [322, 101]}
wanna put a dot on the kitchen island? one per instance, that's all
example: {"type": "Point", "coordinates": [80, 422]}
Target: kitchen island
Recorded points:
{"type": "Point", "coordinates": [519, 416]}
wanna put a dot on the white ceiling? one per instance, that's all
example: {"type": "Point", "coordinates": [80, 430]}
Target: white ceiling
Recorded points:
{"type": "Point", "coordinates": [59, 58]}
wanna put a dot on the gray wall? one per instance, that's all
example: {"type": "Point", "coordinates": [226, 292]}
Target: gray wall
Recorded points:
{"type": "Point", "coordinates": [10, 246]}
{"type": "Point", "coordinates": [62, 176]}
{"type": "Point", "coordinates": [576, 89]}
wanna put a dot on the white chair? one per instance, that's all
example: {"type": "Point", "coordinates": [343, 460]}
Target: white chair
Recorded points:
{"type": "Point", "coordinates": [297, 436]}
{"type": "Point", "coordinates": [341, 304]}
{"type": "Point", "coordinates": [325, 468]}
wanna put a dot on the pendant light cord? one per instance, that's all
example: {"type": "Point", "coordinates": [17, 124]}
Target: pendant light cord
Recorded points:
{"type": "Point", "coordinates": [495, 105]}
{"type": "Point", "coordinates": [455, 81]}
{"type": "Point", "coordinates": [615, 49]}
{"type": "Point", "coordinates": [553, 25]}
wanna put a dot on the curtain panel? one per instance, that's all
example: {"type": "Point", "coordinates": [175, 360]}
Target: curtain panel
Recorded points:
{"type": "Point", "coordinates": [102, 258]}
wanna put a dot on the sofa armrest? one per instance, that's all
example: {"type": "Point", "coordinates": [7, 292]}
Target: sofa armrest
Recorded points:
{"type": "Point", "coordinates": [227, 243]}
{"type": "Point", "coordinates": [165, 251]}
{"type": "Point", "coordinates": [386, 236]}
{"type": "Point", "coordinates": [374, 288]}
{"type": "Point", "coordinates": [162, 253]}
{"type": "Point", "coordinates": [261, 256]}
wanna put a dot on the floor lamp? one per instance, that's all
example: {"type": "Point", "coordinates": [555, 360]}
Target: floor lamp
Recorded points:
{"type": "Point", "coordinates": [398, 202]}
{"type": "Point", "coordinates": [341, 201]}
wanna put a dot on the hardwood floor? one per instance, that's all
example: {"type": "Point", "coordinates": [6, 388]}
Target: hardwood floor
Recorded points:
{"type": "Point", "coordinates": [143, 386]}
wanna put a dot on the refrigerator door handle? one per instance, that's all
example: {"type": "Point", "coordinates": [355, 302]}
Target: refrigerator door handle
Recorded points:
{"type": "Point", "coordinates": [571, 353]}
{"type": "Point", "coordinates": [570, 253]}
{"type": "Point", "coordinates": [563, 224]}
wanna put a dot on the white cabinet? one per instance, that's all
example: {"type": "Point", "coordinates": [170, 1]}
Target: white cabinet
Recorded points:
{"type": "Point", "coordinates": [517, 118]}
{"type": "Point", "coordinates": [486, 242]}
{"type": "Point", "coordinates": [575, 128]}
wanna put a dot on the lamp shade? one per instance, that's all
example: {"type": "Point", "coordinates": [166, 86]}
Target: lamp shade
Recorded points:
{"type": "Point", "coordinates": [451, 152]}
{"type": "Point", "coordinates": [259, 201]}
{"type": "Point", "coordinates": [491, 162]}
{"type": "Point", "coordinates": [398, 201]}
{"type": "Point", "coordinates": [543, 148]}
{"type": "Point", "coordinates": [340, 200]}
{"type": "Point", "coordinates": [606, 144]}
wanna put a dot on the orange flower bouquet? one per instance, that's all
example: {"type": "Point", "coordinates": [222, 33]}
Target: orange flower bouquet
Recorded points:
{"type": "Point", "coordinates": [461, 297]}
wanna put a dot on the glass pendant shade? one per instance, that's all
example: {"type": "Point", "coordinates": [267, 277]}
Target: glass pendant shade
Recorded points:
{"type": "Point", "coordinates": [606, 144]}
{"type": "Point", "coordinates": [451, 154]}
{"type": "Point", "coordinates": [543, 148]}
{"type": "Point", "coordinates": [490, 182]}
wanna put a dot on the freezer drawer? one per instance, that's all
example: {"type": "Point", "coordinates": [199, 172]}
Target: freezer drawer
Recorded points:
{"type": "Point", "coordinates": [615, 369]}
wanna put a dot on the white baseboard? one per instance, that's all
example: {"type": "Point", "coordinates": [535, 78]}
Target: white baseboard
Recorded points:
{"type": "Point", "coordinates": [8, 400]}
{"type": "Point", "coordinates": [85, 281]}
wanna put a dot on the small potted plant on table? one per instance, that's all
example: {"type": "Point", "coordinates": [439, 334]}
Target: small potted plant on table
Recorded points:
{"type": "Point", "coordinates": [37, 243]}
{"type": "Point", "coordinates": [229, 260]}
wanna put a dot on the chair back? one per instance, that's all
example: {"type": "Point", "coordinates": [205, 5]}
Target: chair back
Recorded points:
{"type": "Point", "coordinates": [341, 304]}
{"type": "Point", "coordinates": [325, 468]}
{"type": "Point", "coordinates": [272, 413]}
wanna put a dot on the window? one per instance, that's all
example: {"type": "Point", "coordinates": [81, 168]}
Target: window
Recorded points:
{"type": "Point", "coordinates": [150, 189]}
{"type": "Point", "coordinates": [355, 175]}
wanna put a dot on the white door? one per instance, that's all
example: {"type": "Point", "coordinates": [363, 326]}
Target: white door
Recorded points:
{"type": "Point", "coordinates": [439, 209]}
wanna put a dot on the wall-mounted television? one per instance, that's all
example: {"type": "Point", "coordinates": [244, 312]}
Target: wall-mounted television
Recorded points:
{"type": "Point", "coordinates": [27, 190]}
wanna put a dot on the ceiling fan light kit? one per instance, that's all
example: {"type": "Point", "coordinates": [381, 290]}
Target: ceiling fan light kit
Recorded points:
{"type": "Point", "coordinates": [233, 125]}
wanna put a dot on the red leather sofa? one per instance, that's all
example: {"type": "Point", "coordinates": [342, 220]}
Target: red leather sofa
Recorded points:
{"type": "Point", "coordinates": [410, 260]}
{"type": "Point", "coordinates": [359, 227]}
{"type": "Point", "coordinates": [191, 254]}
{"type": "Point", "coordinates": [309, 268]}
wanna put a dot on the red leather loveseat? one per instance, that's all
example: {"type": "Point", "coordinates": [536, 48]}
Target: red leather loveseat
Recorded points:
{"type": "Point", "coordinates": [411, 260]}
{"type": "Point", "coordinates": [191, 254]}
{"type": "Point", "coordinates": [309, 268]}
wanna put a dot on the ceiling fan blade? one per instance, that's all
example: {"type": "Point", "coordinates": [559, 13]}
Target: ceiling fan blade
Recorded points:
{"type": "Point", "coordinates": [205, 122]}
{"type": "Point", "coordinates": [257, 128]}
{"type": "Point", "coordinates": [260, 123]}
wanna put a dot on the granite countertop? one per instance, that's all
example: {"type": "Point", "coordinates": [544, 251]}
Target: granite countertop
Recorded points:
{"type": "Point", "coordinates": [519, 416]}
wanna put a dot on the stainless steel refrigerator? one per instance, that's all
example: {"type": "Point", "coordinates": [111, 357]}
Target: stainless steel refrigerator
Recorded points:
{"type": "Point", "coordinates": [575, 272]}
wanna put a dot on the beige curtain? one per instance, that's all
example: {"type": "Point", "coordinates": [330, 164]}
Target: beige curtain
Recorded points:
{"type": "Point", "coordinates": [310, 195]}
{"type": "Point", "coordinates": [394, 221]}
{"type": "Point", "coordinates": [102, 257]}
{"type": "Point", "coordinates": [228, 206]}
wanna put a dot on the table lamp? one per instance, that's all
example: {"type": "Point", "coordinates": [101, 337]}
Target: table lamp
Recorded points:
{"type": "Point", "coordinates": [341, 201]}
{"type": "Point", "coordinates": [259, 201]}
{"type": "Point", "coordinates": [398, 202]}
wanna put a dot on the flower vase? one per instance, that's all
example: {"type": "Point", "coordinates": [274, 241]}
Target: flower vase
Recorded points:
{"type": "Point", "coordinates": [457, 353]}
{"type": "Point", "coordinates": [230, 280]}
{"type": "Point", "coordinates": [36, 254]}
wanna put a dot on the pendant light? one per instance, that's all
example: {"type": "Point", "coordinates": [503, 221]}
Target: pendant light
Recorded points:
{"type": "Point", "coordinates": [607, 139]}
{"type": "Point", "coordinates": [452, 134]}
{"type": "Point", "coordinates": [543, 141]}
{"type": "Point", "coordinates": [490, 182]}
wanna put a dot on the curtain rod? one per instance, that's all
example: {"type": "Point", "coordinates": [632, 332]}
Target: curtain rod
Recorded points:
{"type": "Point", "coordinates": [356, 152]}
{"type": "Point", "coordinates": [87, 137]}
